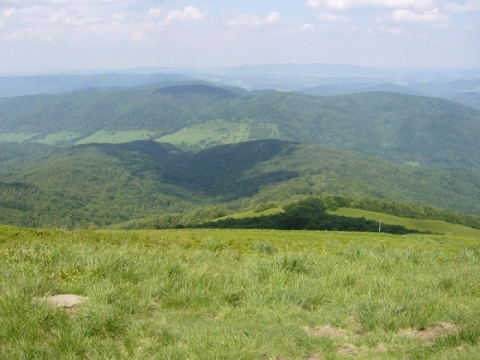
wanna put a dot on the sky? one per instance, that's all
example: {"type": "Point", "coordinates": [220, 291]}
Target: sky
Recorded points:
{"type": "Point", "coordinates": [42, 36]}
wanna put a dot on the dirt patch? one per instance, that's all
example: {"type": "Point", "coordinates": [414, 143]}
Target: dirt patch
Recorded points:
{"type": "Point", "coordinates": [347, 349]}
{"type": "Point", "coordinates": [429, 335]}
{"type": "Point", "coordinates": [354, 325]}
{"type": "Point", "coordinates": [326, 331]}
{"type": "Point", "coordinates": [381, 348]}
{"type": "Point", "coordinates": [354, 332]}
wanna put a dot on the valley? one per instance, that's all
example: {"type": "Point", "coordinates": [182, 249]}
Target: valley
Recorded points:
{"type": "Point", "coordinates": [102, 157]}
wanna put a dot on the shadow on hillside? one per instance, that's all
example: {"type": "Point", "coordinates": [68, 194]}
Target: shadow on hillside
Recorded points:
{"type": "Point", "coordinates": [223, 171]}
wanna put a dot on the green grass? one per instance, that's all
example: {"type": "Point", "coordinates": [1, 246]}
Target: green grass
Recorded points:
{"type": "Point", "coordinates": [117, 137]}
{"type": "Point", "coordinates": [251, 213]}
{"type": "Point", "coordinates": [222, 294]}
{"type": "Point", "coordinates": [434, 226]}
{"type": "Point", "coordinates": [16, 137]}
{"type": "Point", "coordinates": [61, 137]}
{"type": "Point", "coordinates": [216, 132]}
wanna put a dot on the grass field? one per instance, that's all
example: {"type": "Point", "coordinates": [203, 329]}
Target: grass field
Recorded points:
{"type": "Point", "coordinates": [251, 213]}
{"type": "Point", "coordinates": [16, 137]}
{"type": "Point", "coordinates": [117, 137]}
{"type": "Point", "coordinates": [229, 294]}
{"type": "Point", "coordinates": [434, 226]}
{"type": "Point", "coordinates": [57, 138]}
{"type": "Point", "coordinates": [215, 131]}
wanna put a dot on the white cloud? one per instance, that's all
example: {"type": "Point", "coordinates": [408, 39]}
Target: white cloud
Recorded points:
{"type": "Point", "coordinates": [118, 16]}
{"type": "Point", "coordinates": [187, 14]}
{"type": "Point", "coordinates": [250, 20]}
{"type": "Point", "coordinates": [332, 18]}
{"type": "Point", "coordinates": [307, 27]}
{"type": "Point", "coordinates": [313, 3]}
{"type": "Point", "coordinates": [408, 16]}
{"type": "Point", "coordinates": [469, 6]}
{"type": "Point", "coordinates": [140, 36]}
{"type": "Point", "coordinates": [157, 11]}
{"type": "Point", "coordinates": [7, 12]}
{"type": "Point", "coordinates": [61, 17]}
{"type": "Point", "coordinates": [383, 4]}
{"type": "Point", "coordinates": [92, 20]}
{"type": "Point", "coordinates": [396, 31]}
{"type": "Point", "coordinates": [384, 29]}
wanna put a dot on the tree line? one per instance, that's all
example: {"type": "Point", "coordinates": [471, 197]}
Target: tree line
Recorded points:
{"type": "Point", "coordinates": [307, 214]}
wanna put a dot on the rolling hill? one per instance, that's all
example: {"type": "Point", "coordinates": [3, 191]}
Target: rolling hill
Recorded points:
{"type": "Point", "coordinates": [104, 184]}
{"type": "Point", "coordinates": [344, 89]}
{"type": "Point", "coordinates": [392, 126]}
{"type": "Point", "coordinates": [55, 84]}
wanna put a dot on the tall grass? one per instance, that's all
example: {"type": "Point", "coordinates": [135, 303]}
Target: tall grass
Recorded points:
{"type": "Point", "coordinates": [223, 294]}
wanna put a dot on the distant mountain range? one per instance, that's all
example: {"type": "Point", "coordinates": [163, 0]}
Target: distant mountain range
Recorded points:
{"type": "Point", "coordinates": [396, 127]}
{"type": "Point", "coordinates": [55, 84]}
{"type": "Point", "coordinates": [339, 89]}
{"type": "Point", "coordinates": [102, 150]}
{"type": "Point", "coordinates": [459, 85]}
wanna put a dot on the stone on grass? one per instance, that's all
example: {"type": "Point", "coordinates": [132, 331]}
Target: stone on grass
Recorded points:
{"type": "Point", "coordinates": [66, 301]}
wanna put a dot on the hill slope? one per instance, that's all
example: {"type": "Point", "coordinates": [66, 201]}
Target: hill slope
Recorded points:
{"type": "Point", "coordinates": [104, 184]}
{"type": "Point", "coordinates": [392, 126]}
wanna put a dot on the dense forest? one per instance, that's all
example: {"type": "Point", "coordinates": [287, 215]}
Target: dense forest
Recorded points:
{"type": "Point", "coordinates": [180, 153]}
{"type": "Point", "coordinates": [107, 184]}
{"type": "Point", "coordinates": [392, 126]}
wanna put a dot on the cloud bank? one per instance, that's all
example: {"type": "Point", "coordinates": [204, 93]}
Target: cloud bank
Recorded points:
{"type": "Point", "coordinates": [92, 33]}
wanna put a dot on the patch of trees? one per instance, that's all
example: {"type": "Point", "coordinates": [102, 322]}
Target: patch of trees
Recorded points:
{"type": "Point", "coordinates": [308, 214]}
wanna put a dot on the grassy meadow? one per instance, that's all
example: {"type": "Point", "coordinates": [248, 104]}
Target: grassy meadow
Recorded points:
{"type": "Point", "coordinates": [220, 132]}
{"type": "Point", "coordinates": [429, 226]}
{"type": "Point", "coordinates": [433, 226]}
{"type": "Point", "coordinates": [117, 137]}
{"type": "Point", "coordinates": [230, 294]}
{"type": "Point", "coordinates": [16, 137]}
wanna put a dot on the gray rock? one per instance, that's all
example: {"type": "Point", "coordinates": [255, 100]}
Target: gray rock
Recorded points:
{"type": "Point", "coordinates": [64, 300]}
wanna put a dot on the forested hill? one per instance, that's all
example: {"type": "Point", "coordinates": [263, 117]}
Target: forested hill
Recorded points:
{"type": "Point", "coordinates": [54, 84]}
{"type": "Point", "coordinates": [104, 184]}
{"type": "Point", "coordinates": [395, 127]}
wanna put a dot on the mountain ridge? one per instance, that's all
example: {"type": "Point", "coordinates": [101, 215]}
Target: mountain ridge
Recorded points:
{"type": "Point", "coordinates": [395, 127]}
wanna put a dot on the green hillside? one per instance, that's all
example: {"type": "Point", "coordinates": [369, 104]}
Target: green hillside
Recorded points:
{"type": "Point", "coordinates": [307, 214]}
{"type": "Point", "coordinates": [432, 226]}
{"type": "Point", "coordinates": [105, 184]}
{"type": "Point", "coordinates": [392, 126]}
{"type": "Point", "coordinates": [423, 225]}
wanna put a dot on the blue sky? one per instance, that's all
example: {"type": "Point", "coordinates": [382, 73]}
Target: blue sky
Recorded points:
{"type": "Point", "coordinates": [39, 36]}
